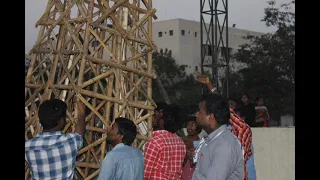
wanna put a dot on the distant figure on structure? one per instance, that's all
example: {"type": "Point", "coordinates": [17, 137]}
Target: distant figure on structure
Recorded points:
{"type": "Point", "coordinates": [123, 162]}
{"type": "Point", "coordinates": [165, 151]}
{"type": "Point", "coordinates": [52, 154]}
{"type": "Point", "coordinates": [262, 115]}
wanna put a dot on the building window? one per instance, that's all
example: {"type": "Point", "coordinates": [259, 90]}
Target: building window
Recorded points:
{"type": "Point", "coordinates": [225, 51]}
{"type": "Point", "coordinates": [171, 33]}
{"type": "Point", "coordinates": [160, 34]}
{"type": "Point", "coordinates": [195, 34]}
{"type": "Point", "coordinates": [207, 49]}
{"type": "Point", "coordinates": [182, 32]}
{"type": "Point", "coordinates": [196, 68]}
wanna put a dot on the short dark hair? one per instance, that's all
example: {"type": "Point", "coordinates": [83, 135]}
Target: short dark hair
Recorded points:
{"type": "Point", "coordinates": [128, 129]}
{"type": "Point", "coordinates": [194, 118]}
{"type": "Point", "coordinates": [245, 94]}
{"type": "Point", "coordinates": [51, 111]}
{"type": "Point", "coordinates": [219, 107]}
{"type": "Point", "coordinates": [232, 99]}
{"type": "Point", "coordinates": [259, 97]}
{"type": "Point", "coordinates": [171, 117]}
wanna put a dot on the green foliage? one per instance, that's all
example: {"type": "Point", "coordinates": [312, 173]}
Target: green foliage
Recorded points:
{"type": "Point", "coordinates": [270, 61]}
{"type": "Point", "coordinates": [183, 90]}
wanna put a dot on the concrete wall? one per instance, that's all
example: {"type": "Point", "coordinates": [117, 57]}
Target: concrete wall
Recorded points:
{"type": "Point", "coordinates": [274, 153]}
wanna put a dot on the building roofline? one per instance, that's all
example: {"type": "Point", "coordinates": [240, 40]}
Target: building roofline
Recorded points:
{"type": "Point", "coordinates": [181, 19]}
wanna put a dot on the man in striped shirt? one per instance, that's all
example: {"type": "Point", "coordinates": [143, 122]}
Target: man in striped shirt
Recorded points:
{"type": "Point", "coordinates": [239, 127]}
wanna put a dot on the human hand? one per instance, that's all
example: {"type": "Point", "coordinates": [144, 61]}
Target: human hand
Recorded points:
{"type": "Point", "coordinates": [204, 79]}
{"type": "Point", "coordinates": [81, 106]}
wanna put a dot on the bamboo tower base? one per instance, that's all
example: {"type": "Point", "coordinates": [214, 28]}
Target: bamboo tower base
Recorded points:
{"type": "Point", "coordinates": [99, 51]}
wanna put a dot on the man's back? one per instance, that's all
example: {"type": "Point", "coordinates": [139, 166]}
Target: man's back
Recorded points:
{"type": "Point", "coordinates": [52, 155]}
{"type": "Point", "coordinates": [164, 155]}
{"type": "Point", "coordinates": [242, 131]}
{"type": "Point", "coordinates": [123, 162]}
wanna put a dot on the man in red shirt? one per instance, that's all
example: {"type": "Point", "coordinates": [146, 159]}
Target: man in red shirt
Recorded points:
{"type": "Point", "coordinates": [165, 151]}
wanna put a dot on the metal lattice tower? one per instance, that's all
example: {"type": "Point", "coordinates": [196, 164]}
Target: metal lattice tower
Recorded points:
{"type": "Point", "coordinates": [214, 41]}
{"type": "Point", "coordinates": [99, 51]}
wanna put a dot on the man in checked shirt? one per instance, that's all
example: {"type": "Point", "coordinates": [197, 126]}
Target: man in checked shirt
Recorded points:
{"type": "Point", "coordinates": [165, 151]}
{"type": "Point", "coordinates": [52, 154]}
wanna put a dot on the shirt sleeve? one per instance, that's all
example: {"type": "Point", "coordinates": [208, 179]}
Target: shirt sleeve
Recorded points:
{"type": "Point", "coordinates": [107, 169]}
{"type": "Point", "coordinates": [79, 140]}
{"type": "Point", "coordinates": [151, 155]}
{"type": "Point", "coordinates": [222, 163]}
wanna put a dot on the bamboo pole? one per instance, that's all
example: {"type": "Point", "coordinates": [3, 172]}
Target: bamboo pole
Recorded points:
{"type": "Point", "coordinates": [149, 92]}
{"type": "Point", "coordinates": [97, 78]}
{"type": "Point", "coordinates": [80, 172]}
{"type": "Point", "coordinates": [92, 145]}
{"type": "Point", "coordinates": [93, 175]}
{"type": "Point", "coordinates": [143, 118]}
{"type": "Point", "coordinates": [115, 100]}
{"type": "Point", "coordinates": [119, 66]}
{"type": "Point", "coordinates": [90, 165]}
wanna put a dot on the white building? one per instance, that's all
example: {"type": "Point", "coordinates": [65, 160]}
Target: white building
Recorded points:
{"type": "Point", "coordinates": [182, 37]}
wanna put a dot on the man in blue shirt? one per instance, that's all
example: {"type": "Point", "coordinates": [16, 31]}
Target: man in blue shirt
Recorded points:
{"type": "Point", "coordinates": [52, 154]}
{"type": "Point", "coordinates": [123, 161]}
{"type": "Point", "coordinates": [250, 166]}
{"type": "Point", "coordinates": [251, 170]}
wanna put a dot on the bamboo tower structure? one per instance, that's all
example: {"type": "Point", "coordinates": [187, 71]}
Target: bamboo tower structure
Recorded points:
{"type": "Point", "coordinates": [99, 51]}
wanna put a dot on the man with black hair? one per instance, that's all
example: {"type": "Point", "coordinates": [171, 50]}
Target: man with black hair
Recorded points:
{"type": "Point", "coordinates": [239, 128]}
{"type": "Point", "coordinates": [248, 110]}
{"type": "Point", "coordinates": [219, 156]}
{"type": "Point", "coordinates": [123, 161]}
{"type": "Point", "coordinates": [191, 140]}
{"type": "Point", "coordinates": [52, 154]}
{"type": "Point", "coordinates": [165, 151]}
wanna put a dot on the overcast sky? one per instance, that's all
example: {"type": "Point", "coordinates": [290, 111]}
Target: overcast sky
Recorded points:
{"type": "Point", "coordinates": [246, 14]}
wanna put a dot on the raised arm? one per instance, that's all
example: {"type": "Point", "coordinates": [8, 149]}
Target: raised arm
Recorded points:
{"type": "Point", "coordinates": [206, 81]}
{"type": "Point", "coordinates": [80, 126]}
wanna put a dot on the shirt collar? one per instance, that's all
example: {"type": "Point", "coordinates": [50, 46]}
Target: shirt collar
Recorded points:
{"type": "Point", "coordinates": [118, 146]}
{"type": "Point", "coordinates": [45, 134]}
{"type": "Point", "coordinates": [216, 132]}
{"type": "Point", "coordinates": [156, 133]}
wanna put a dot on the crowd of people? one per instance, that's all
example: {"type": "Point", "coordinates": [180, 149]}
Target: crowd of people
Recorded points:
{"type": "Point", "coordinates": [217, 145]}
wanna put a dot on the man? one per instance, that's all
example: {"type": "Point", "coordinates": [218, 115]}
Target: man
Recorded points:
{"type": "Point", "coordinates": [165, 151]}
{"type": "Point", "coordinates": [220, 155]}
{"type": "Point", "coordinates": [190, 140]}
{"type": "Point", "coordinates": [232, 103]}
{"type": "Point", "coordinates": [52, 154]}
{"type": "Point", "coordinates": [239, 128]}
{"type": "Point", "coordinates": [251, 170]}
{"type": "Point", "coordinates": [248, 110]}
{"type": "Point", "coordinates": [123, 161]}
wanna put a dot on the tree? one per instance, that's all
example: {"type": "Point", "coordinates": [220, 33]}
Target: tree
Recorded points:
{"type": "Point", "coordinates": [270, 61]}
{"type": "Point", "coordinates": [183, 90]}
